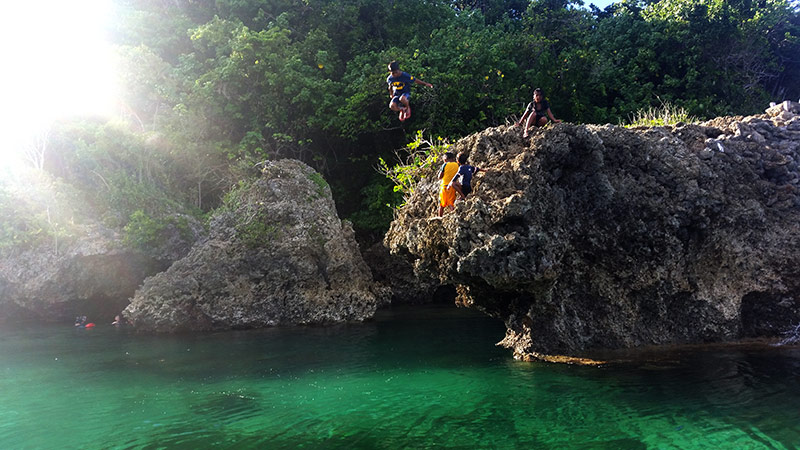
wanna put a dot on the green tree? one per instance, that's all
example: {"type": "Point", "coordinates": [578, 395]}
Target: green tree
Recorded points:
{"type": "Point", "coordinates": [211, 88]}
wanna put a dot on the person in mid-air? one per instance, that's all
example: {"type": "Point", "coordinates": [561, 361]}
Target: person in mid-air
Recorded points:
{"type": "Point", "coordinates": [400, 89]}
{"type": "Point", "coordinates": [536, 113]}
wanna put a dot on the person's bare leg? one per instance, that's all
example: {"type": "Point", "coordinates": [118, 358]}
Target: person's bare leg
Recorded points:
{"type": "Point", "coordinates": [394, 106]}
{"type": "Point", "coordinates": [528, 125]}
{"type": "Point", "coordinates": [457, 187]}
{"type": "Point", "coordinates": [398, 108]}
{"type": "Point", "coordinates": [406, 105]}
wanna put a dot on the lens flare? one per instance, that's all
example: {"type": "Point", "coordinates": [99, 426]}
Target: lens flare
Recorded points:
{"type": "Point", "coordinates": [57, 64]}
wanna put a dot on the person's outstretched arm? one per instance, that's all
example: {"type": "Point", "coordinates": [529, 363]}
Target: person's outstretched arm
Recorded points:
{"type": "Point", "coordinates": [549, 113]}
{"type": "Point", "coordinates": [522, 119]}
{"type": "Point", "coordinates": [424, 83]}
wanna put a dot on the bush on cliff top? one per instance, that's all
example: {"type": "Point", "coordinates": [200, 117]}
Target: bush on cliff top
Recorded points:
{"type": "Point", "coordinates": [666, 114]}
{"type": "Point", "coordinates": [415, 162]}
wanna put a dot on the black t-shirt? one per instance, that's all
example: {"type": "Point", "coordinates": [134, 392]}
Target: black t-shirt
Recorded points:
{"type": "Point", "coordinates": [541, 110]}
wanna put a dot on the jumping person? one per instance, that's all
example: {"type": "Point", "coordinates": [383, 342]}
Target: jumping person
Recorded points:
{"type": "Point", "coordinates": [400, 89]}
{"type": "Point", "coordinates": [536, 113]}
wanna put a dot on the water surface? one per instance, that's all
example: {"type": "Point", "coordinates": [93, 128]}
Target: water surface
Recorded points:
{"type": "Point", "coordinates": [412, 378]}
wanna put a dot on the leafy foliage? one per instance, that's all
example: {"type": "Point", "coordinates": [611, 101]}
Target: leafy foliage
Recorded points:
{"type": "Point", "coordinates": [666, 114]}
{"type": "Point", "coordinates": [40, 213]}
{"type": "Point", "coordinates": [418, 159]}
{"type": "Point", "coordinates": [143, 232]}
{"type": "Point", "coordinates": [380, 198]}
{"type": "Point", "coordinates": [212, 88]}
{"type": "Point", "coordinates": [18, 225]}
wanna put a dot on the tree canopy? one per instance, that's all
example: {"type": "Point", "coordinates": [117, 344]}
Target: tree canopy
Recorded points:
{"type": "Point", "coordinates": [211, 88]}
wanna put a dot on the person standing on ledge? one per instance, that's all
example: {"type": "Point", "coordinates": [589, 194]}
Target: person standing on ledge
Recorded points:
{"type": "Point", "coordinates": [536, 113]}
{"type": "Point", "coordinates": [400, 89]}
{"type": "Point", "coordinates": [447, 194]}
{"type": "Point", "coordinates": [462, 181]}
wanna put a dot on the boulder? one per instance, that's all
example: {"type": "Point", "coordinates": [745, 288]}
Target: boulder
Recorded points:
{"type": "Point", "coordinates": [276, 254]}
{"type": "Point", "coordinates": [785, 109]}
{"type": "Point", "coordinates": [588, 237]}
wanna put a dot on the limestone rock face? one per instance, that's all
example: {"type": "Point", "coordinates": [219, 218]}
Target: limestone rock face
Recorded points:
{"type": "Point", "coordinates": [60, 257]}
{"type": "Point", "coordinates": [399, 276]}
{"type": "Point", "coordinates": [604, 237]}
{"type": "Point", "coordinates": [91, 274]}
{"type": "Point", "coordinates": [277, 254]}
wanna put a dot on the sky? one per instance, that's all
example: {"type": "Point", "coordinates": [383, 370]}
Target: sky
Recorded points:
{"type": "Point", "coordinates": [599, 3]}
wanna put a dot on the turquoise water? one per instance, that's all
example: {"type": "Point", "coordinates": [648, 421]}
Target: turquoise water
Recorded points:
{"type": "Point", "coordinates": [422, 378]}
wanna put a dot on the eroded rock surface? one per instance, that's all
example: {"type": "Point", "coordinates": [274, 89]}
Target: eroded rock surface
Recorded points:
{"type": "Point", "coordinates": [399, 276]}
{"type": "Point", "coordinates": [603, 237]}
{"type": "Point", "coordinates": [66, 265]}
{"type": "Point", "coordinates": [94, 275]}
{"type": "Point", "coordinates": [277, 254]}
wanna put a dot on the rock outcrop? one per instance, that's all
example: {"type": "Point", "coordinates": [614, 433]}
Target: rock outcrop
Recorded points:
{"type": "Point", "coordinates": [276, 254]}
{"type": "Point", "coordinates": [592, 237]}
{"type": "Point", "coordinates": [68, 263]}
{"type": "Point", "coordinates": [93, 275]}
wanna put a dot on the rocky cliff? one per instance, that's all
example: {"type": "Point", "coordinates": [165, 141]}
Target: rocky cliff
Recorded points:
{"type": "Point", "coordinates": [276, 254]}
{"type": "Point", "coordinates": [590, 237]}
{"type": "Point", "coordinates": [71, 264]}
{"type": "Point", "coordinates": [94, 279]}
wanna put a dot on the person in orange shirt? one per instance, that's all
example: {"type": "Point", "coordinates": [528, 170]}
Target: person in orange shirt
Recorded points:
{"type": "Point", "coordinates": [447, 194]}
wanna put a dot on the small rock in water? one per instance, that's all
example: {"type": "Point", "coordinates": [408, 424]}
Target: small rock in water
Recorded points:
{"type": "Point", "coordinates": [792, 336]}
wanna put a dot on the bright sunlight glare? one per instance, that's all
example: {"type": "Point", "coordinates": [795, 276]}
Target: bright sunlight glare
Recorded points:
{"type": "Point", "coordinates": [57, 63]}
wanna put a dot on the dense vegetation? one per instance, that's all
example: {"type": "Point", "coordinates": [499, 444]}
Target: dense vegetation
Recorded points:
{"type": "Point", "coordinates": [212, 88]}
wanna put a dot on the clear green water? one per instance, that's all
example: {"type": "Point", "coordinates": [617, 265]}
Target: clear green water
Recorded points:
{"type": "Point", "coordinates": [410, 379]}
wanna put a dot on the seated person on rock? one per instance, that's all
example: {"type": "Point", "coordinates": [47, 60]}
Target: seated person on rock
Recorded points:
{"type": "Point", "coordinates": [536, 113]}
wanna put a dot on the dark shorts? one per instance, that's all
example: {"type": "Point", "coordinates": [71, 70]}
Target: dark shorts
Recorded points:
{"type": "Point", "coordinates": [466, 189]}
{"type": "Point", "coordinates": [396, 98]}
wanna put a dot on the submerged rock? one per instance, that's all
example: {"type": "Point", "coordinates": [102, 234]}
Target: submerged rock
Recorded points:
{"type": "Point", "coordinates": [605, 237]}
{"type": "Point", "coordinates": [276, 254]}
